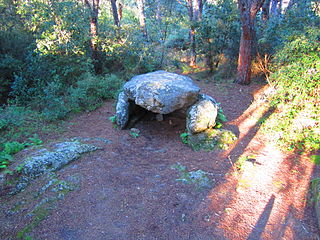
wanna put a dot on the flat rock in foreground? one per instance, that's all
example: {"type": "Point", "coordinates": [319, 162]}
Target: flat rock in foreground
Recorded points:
{"type": "Point", "coordinates": [162, 92]}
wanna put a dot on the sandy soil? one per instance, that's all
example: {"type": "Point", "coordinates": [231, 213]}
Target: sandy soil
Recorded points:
{"type": "Point", "coordinates": [128, 190]}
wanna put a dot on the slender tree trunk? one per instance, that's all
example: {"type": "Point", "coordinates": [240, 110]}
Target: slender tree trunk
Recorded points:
{"type": "Point", "coordinates": [166, 26]}
{"type": "Point", "coordinates": [266, 11]}
{"type": "Point", "coordinates": [197, 10]}
{"type": "Point", "coordinates": [158, 10]}
{"type": "Point", "coordinates": [248, 11]}
{"type": "Point", "coordinates": [275, 8]}
{"type": "Point", "coordinates": [120, 8]}
{"type": "Point", "coordinates": [142, 17]}
{"type": "Point", "coordinates": [280, 7]}
{"type": "Point", "coordinates": [209, 56]}
{"type": "Point", "coordinates": [94, 12]}
{"type": "Point", "coordinates": [290, 5]}
{"type": "Point", "coordinates": [195, 15]}
{"type": "Point", "coordinates": [115, 13]}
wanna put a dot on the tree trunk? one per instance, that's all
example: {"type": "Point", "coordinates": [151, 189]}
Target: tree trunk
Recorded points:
{"type": "Point", "coordinates": [94, 12]}
{"type": "Point", "coordinates": [158, 11]}
{"type": "Point", "coordinates": [142, 17]}
{"type": "Point", "coordinates": [195, 14]}
{"type": "Point", "coordinates": [209, 56]}
{"type": "Point", "coordinates": [275, 11]}
{"type": "Point", "coordinates": [265, 11]}
{"type": "Point", "coordinates": [248, 11]}
{"type": "Point", "coordinates": [244, 61]}
{"type": "Point", "coordinates": [120, 9]}
{"type": "Point", "coordinates": [193, 53]}
{"type": "Point", "coordinates": [197, 10]}
{"type": "Point", "coordinates": [115, 13]}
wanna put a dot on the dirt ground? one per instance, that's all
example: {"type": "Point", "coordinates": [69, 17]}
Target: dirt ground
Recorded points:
{"type": "Point", "coordinates": [128, 190]}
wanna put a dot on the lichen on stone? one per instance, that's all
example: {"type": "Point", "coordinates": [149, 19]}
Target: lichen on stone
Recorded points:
{"type": "Point", "coordinates": [199, 177]}
{"type": "Point", "coordinates": [48, 161]}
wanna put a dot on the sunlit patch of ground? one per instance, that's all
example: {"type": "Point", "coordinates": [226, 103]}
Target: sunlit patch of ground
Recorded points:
{"type": "Point", "coordinates": [264, 196]}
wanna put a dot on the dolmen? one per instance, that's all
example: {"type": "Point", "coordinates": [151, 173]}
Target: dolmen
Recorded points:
{"type": "Point", "coordinates": [163, 92]}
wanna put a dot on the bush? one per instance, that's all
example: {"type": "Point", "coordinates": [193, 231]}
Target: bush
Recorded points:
{"type": "Point", "coordinates": [90, 91]}
{"type": "Point", "coordinates": [297, 81]}
{"type": "Point", "coordinates": [219, 32]}
{"type": "Point", "coordinates": [17, 123]}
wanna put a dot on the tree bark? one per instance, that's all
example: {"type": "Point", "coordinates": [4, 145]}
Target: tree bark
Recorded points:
{"type": "Point", "coordinates": [120, 9]}
{"type": "Point", "coordinates": [142, 17]}
{"type": "Point", "coordinates": [115, 13]}
{"type": "Point", "coordinates": [266, 11]}
{"type": "Point", "coordinates": [290, 4]}
{"type": "Point", "coordinates": [275, 8]}
{"type": "Point", "coordinates": [248, 11]}
{"type": "Point", "coordinates": [158, 11]}
{"type": "Point", "coordinates": [195, 15]}
{"type": "Point", "coordinates": [244, 61]}
{"type": "Point", "coordinates": [197, 10]}
{"type": "Point", "coordinates": [94, 12]}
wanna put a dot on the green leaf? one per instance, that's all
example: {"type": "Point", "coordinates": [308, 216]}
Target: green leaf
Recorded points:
{"type": "Point", "coordinates": [4, 156]}
{"type": "Point", "coordinates": [315, 159]}
{"type": "Point", "coordinates": [222, 117]}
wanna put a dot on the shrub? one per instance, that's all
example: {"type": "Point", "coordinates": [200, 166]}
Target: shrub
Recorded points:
{"type": "Point", "coordinates": [90, 91]}
{"type": "Point", "coordinates": [17, 123]}
{"type": "Point", "coordinates": [297, 81]}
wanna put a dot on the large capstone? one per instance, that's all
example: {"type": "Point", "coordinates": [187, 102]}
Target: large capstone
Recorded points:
{"type": "Point", "coordinates": [201, 116]}
{"type": "Point", "coordinates": [162, 92]}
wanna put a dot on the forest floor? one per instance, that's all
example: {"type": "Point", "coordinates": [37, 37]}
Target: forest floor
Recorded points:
{"type": "Point", "coordinates": [129, 189]}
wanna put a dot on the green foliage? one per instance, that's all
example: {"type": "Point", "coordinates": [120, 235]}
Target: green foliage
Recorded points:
{"type": "Point", "coordinates": [53, 23]}
{"type": "Point", "coordinates": [226, 138]}
{"type": "Point", "coordinates": [11, 148]}
{"type": "Point", "coordinates": [220, 32]}
{"type": "Point", "coordinates": [221, 118]}
{"type": "Point", "coordinates": [184, 137]}
{"type": "Point", "coordinates": [273, 34]}
{"type": "Point", "coordinates": [18, 123]}
{"type": "Point", "coordinates": [134, 134]}
{"type": "Point", "coordinates": [296, 78]}
{"type": "Point", "coordinates": [315, 190]}
{"type": "Point", "coordinates": [113, 119]}
{"type": "Point", "coordinates": [90, 91]}
{"type": "Point", "coordinates": [315, 159]}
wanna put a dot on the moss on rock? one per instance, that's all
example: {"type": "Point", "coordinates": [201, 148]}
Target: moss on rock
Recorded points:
{"type": "Point", "coordinates": [210, 138]}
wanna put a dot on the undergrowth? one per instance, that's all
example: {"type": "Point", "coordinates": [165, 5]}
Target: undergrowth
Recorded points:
{"type": "Point", "coordinates": [11, 148]}
{"type": "Point", "coordinates": [296, 77]}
